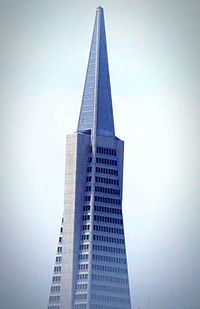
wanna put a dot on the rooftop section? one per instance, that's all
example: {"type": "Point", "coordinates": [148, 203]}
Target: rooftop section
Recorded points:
{"type": "Point", "coordinates": [96, 110]}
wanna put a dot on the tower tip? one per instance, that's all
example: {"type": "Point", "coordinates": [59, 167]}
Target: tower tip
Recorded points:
{"type": "Point", "coordinates": [96, 112]}
{"type": "Point", "coordinates": [100, 8]}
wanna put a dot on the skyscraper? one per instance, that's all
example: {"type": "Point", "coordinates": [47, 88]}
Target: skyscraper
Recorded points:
{"type": "Point", "coordinates": [90, 269]}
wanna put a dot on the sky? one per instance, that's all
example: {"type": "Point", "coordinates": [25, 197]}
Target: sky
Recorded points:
{"type": "Point", "coordinates": [153, 49]}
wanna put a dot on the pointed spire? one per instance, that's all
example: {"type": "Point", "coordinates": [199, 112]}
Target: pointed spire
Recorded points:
{"type": "Point", "coordinates": [96, 110]}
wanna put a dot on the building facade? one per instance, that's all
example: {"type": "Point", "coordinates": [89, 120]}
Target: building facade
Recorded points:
{"type": "Point", "coordinates": [90, 270]}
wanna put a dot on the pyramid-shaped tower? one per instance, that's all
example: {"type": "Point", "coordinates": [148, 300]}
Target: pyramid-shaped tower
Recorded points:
{"type": "Point", "coordinates": [90, 270]}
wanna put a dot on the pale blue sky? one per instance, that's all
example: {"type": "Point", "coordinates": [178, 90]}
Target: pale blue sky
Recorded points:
{"type": "Point", "coordinates": [154, 49]}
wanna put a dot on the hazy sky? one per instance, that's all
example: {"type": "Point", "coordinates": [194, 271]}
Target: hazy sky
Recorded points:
{"type": "Point", "coordinates": [154, 57]}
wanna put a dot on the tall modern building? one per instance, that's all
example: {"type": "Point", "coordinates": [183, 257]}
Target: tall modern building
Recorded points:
{"type": "Point", "coordinates": [90, 270]}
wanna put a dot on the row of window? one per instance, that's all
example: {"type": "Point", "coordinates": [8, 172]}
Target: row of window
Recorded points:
{"type": "Point", "coordinates": [84, 247]}
{"type": "Point", "coordinates": [106, 161]}
{"type": "Point", "coordinates": [81, 296]}
{"type": "Point", "coordinates": [88, 179]}
{"type": "Point", "coordinates": [102, 258]}
{"type": "Point", "coordinates": [59, 249]}
{"type": "Point", "coordinates": [83, 256]}
{"type": "Point", "coordinates": [103, 190]}
{"type": "Point", "coordinates": [108, 288]}
{"type": "Point", "coordinates": [102, 199]}
{"type": "Point", "coordinates": [58, 259]}
{"type": "Point", "coordinates": [54, 307]}
{"type": "Point", "coordinates": [104, 170]}
{"type": "Point", "coordinates": [82, 276]}
{"type": "Point", "coordinates": [110, 259]}
{"type": "Point", "coordinates": [108, 219]}
{"type": "Point", "coordinates": [87, 198]}
{"type": "Point", "coordinates": [86, 227]}
{"type": "Point", "coordinates": [86, 208]}
{"type": "Point", "coordinates": [54, 299]}
{"type": "Point", "coordinates": [109, 210]}
{"type": "Point", "coordinates": [109, 269]}
{"type": "Point", "coordinates": [116, 211]}
{"type": "Point", "coordinates": [109, 249]}
{"type": "Point", "coordinates": [85, 237]}
{"type": "Point", "coordinates": [89, 169]}
{"type": "Point", "coordinates": [86, 217]}
{"type": "Point", "coordinates": [83, 266]}
{"type": "Point", "coordinates": [107, 200]}
{"type": "Point", "coordinates": [108, 151]}
{"type": "Point", "coordinates": [55, 288]}
{"type": "Point", "coordinates": [57, 269]}
{"type": "Point", "coordinates": [80, 306]}
{"type": "Point", "coordinates": [90, 159]}
{"type": "Point", "coordinates": [110, 181]}
{"type": "Point", "coordinates": [96, 277]}
{"type": "Point", "coordinates": [81, 286]}
{"type": "Point", "coordinates": [60, 239]}
{"type": "Point", "coordinates": [107, 180]}
{"type": "Point", "coordinates": [111, 298]}
{"type": "Point", "coordinates": [108, 239]}
{"type": "Point", "coordinates": [108, 229]}
{"type": "Point", "coordinates": [56, 279]}
{"type": "Point", "coordinates": [96, 306]}
{"type": "Point", "coordinates": [107, 190]}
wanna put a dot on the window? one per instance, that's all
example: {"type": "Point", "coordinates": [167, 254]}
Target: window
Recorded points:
{"type": "Point", "coordinates": [85, 237]}
{"type": "Point", "coordinates": [108, 259]}
{"type": "Point", "coordinates": [108, 239]}
{"type": "Point", "coordinates": [54, 299]}
{"type": "Point", "coordinates": [56, 278]}
{"type": "Point", "coordinates": [82, 276]}
{"type": "Point", "coordinates": [86, 207]}
{"type": "Point", "coordinates": [110, 210]}
{"type": "Point", "coordinates": [86, 227]}
{"type": "Point", "coordinates": [111, 279]}
{"type": "Point", "coordinates": [106, 161]}
{"type": "Point", "coordinates": [81, 286]}
{"type": "Point", "coordinates": [83, 256]}
{"type": "Point", "coordinates": [107, 190]}
{"type": "Point", "coordinates": [108, 219]}
{"type": "Point", "coordinates": [108, 229]}
{"type": "Point", "coordinates": [104, 170]}
{"type": "Point", "coordinates": [84, 247]}
{"type": "Point", "coordinates": [83, 266]}
{"type": "Point", "coordinates": [58, 259]}
{"type": "Point", "coordinates": [109, 249]}
{"type": "Point", "coordinates": [57, 269]}
{"type": "Point", "coordinates": [88, 188]}
{"type": "Point", "coordinates": [55, 288]}
{"type": "Point", "coordinates": [81, 296]}
{"type": "Point", "coordinates": [88, 179]}
{"type": "Point", "coordinates": [86, 217]}
{"type": "Point", "coordinates": [107, 151]}
{"type": "Point", "coordinates": [107, 200]}
{"type": "Point", "coordinates": [107, 180]}
{"type": "Point", "coordinates": [87, 198]}
{"type": "Point", "coordinates": [109, 269]}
